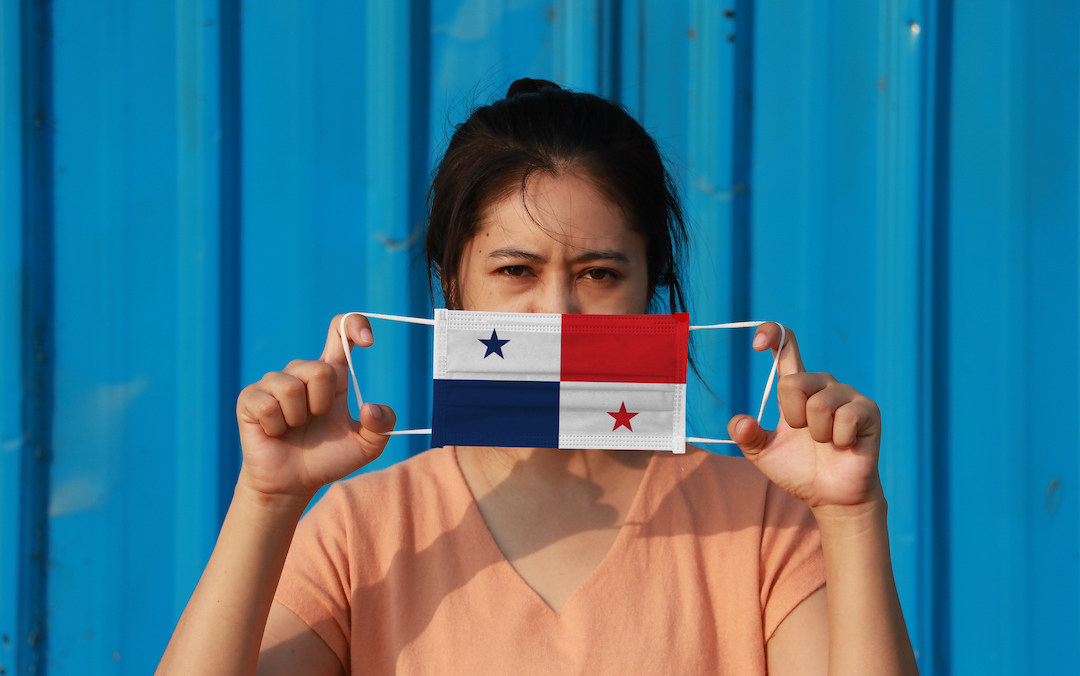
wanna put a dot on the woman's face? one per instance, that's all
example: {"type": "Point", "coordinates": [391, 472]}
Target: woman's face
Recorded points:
{"type": "Point", "coordinates": [582, 258]}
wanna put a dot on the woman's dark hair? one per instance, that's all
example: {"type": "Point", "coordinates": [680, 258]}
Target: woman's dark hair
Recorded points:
{"type": "Point", "coordinates": [541, 128]}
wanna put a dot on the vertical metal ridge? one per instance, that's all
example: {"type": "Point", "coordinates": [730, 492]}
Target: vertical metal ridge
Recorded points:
{"type": "Point", "coordinates": [899, 249]}
{"type": "Point", "coordinates": [387, 171]}
{"type": "Point", "coordinates": [609, 48]}
{"type": "Point", "coordinates": [741, 216]}
{"type": "Point", "coordinates": [37, 333]}
{"type": "Point", "coordinates": [641, 43]}
{"type": "Point", "coordinates": [419, 150]}
{"type": "Point", "coordinates": [936, 587]}
{"type": "Point", "coordinates": [231, 201]}
{"type": "Point", "coordinates": [579, 48]}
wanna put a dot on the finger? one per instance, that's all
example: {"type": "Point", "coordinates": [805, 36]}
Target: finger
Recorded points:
{"type": "Point", "coordinates": [745, 431]}
{"type": "Point", "coordinates": [821, 409]}
{"type": "Point", "coordinates": [767, 337]}
{"type": "Point", "coordinates": [375, 420]}
{"type": "Point", "coordinates": [291, 394]}
{"type": "Point", "coordinates": [853, 420]}
{"type": "Point", "coordinates": [320, 379]}
{"type": "Point", "coordinates": [258, 407]}
{"type": "Point", "coordinates": [793, 391]}
{"type": "Point", "coordinates": [358, 332]}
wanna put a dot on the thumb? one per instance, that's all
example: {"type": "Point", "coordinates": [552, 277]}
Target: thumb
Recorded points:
{"type": "Point", "coordinates": [374, 419]}
{"type": "Point", "coordinates": [745, 431]}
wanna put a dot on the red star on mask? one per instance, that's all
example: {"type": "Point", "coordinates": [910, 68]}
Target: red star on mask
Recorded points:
{"type": "Point", "coordinates": [622, 418]}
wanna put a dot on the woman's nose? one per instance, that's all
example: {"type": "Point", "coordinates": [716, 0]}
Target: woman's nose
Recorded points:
{"type": "Point", "coordinates": [556, 296]}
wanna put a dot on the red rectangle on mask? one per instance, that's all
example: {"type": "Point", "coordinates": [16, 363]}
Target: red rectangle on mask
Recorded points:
{"type": "Point", "coordinates": [625, 348]}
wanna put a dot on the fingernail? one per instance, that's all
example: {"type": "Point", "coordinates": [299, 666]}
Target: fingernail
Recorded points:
{"type": "Point", "coordinates": [740, 427]}
{"type": "Point", "coordinates": [366, 337]}
{"type": "Point", "coordinates": [375, 411]}
{"type": "Point", "coordinates": [760, 340]}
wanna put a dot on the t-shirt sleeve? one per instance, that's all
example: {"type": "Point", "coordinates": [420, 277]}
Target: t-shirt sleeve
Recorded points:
{"type": "Point", "coordinates": [315, 583]}
{"type": "Point", "coordinates": [792, 564]}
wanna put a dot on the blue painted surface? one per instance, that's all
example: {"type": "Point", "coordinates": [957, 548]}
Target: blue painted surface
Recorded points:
{"type": "Point", "coordinates": [11, 256]}
{"type": "Point", "coordinates": [715, 178]}
{"type": "Point", "coordinates": [127, 186]}
{"type": "Point", "coordinates": [838, 232]}
{"type": "Point", "coordinates": [28, 348]}
{"type": "Point", "coordinates": [1013, 269]}
{"type": "Point", "coordinates": [932, 614]}
{"type": "Point", "coordinates": [897, 181]}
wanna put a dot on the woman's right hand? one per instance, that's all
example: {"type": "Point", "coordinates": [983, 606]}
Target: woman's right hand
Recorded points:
{"type": "Point", "coordinates": [296, 432]}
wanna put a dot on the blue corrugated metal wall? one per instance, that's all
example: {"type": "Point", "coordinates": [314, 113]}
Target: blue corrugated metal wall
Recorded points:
{"type": "Point", "coordinates": [190, 190]}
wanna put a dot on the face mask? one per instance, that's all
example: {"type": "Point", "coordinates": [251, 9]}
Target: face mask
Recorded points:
{"type": "Point", "coordinates": [615, 382]}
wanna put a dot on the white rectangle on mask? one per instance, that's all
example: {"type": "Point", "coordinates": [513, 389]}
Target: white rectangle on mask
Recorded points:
{"type": "Point", "coordinates": [623, 416]}
{"type": "Point", "coordinates": [497, 346]}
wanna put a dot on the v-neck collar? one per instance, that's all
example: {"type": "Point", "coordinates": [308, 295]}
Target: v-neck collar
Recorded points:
{"type": "Point", "coordinates": [631, 522]}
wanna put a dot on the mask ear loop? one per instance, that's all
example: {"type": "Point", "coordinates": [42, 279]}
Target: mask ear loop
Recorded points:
{"type": "Point", "coordinates": [431, 322]}
{"type": "Point", "coordinates": [348, 357]}
{"type": "Point", "coordinates": [768, 384]}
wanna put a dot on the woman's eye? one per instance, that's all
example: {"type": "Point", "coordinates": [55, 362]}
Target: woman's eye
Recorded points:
{"type": "Point", "coordinates": [514, 270]}
{"type": "Point", "coordinates": [599, 274]}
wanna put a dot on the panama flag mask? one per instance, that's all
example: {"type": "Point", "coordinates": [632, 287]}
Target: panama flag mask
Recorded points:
{"type": "Point", "coordinates": [615, 382]}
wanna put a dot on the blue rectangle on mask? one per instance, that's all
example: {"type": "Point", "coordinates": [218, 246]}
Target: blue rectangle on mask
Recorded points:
{"type": "Point", "coordinates": [495, 413]}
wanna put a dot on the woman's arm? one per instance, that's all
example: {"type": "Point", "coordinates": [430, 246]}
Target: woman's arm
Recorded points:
{"type": "Point", "coordinates": [222, 626]}
{"type": "Point", "coordinates": [856, 626]}
{"type": "Point", "coordinates": [297, 436]}
{"type": "Point", "coordinates": [867, 633]}
{"type": "Point", "coordinates": [291, 647]}
{"type": "Point", "coordinates": [800, 645]}
{"type": "Point", "coordinates": [825, 452]}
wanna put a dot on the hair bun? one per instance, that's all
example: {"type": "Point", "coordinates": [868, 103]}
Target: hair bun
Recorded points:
{"type": "Point", "coordinates": [528, 85]}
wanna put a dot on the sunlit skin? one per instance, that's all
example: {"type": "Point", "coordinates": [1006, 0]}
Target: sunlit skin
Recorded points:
{"type": "Point", "coordinates": [571, 251]}
{"type": "Point", "coordinates": [564, 248]}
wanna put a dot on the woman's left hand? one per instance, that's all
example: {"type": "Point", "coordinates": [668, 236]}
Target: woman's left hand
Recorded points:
{"type": "Point", "coordinates": [824, 449]}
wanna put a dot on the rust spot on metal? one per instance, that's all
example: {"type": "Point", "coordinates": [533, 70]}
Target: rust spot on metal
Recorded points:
{"type": "Point", "coordinates": [401, 244]}
{"type": "Point", "coordinates": [1052, 499]}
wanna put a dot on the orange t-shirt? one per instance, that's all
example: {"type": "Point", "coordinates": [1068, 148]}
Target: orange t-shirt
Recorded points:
{"type": "Point", "coordinates": [398, 573]}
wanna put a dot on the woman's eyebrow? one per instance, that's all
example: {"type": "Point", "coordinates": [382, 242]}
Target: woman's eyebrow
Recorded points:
{"type": "Point", "coordinates": [602, 255]}
{"type": "Point", "coordinates": [583, 257]}
{"type": "Point", "coordinates": [517, 255]}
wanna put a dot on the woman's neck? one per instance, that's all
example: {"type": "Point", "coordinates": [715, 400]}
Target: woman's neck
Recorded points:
{"type": "Point", "coordinates": [546, 472]}
{"type": "Point", "coordinates": [554, 514]}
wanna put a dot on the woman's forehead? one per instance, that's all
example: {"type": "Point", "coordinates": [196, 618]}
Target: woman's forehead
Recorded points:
{"type": "Point", "coordinates": [555, 211]}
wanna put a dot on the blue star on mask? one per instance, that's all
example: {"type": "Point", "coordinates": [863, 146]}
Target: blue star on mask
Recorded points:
{"type": "Point", "coordinates": [494, 345]}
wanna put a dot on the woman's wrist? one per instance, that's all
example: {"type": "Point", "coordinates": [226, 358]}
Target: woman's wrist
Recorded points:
{"type": "Point", "coordinates": [847, 521]}
{"type": "Point", "coordinates": [276, 504]}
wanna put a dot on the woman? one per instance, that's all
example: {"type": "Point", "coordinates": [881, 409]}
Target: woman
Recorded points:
{"type": "Point", "coordinates": [525, 560]}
